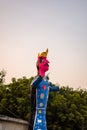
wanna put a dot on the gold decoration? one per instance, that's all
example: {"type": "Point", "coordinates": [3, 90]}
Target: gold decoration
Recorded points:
{"type": "Point", "coordinates": [43, 54]}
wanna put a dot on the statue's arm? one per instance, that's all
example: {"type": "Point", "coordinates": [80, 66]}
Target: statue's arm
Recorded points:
{"type": "Point", "coordinates": [54, 88]}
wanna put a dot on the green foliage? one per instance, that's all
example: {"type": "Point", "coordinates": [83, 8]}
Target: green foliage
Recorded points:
{"type": "Point", "coordinates": [66, 110]}
{"type": "Point", "coordinates": [2, 76]}
{"type": "Point", "coordinates": [15, 98]}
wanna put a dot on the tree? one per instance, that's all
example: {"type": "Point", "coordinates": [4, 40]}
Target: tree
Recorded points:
{"type": "Point", "coordinates": [66, 110]}
{"type": "Point", "coordinates": [2, 76]}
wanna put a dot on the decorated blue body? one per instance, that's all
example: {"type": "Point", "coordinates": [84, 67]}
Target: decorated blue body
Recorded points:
{"type": "Point", "coordinates": [42, 92]}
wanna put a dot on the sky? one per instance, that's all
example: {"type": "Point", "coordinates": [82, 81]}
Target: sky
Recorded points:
{"type": "Point", "coordinates": [28, 27]}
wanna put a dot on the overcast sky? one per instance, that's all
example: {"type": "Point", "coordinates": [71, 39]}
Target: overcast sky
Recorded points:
{"type": "Point", "coordinates": [30, 26]}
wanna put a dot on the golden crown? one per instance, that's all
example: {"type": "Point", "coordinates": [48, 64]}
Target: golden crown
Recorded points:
{"type": "Point", "coordinates": [43, 54]}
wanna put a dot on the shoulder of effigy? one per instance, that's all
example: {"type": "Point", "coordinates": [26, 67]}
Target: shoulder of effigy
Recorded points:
{"type": "Point", "coordinates": [40, 81]}
{"type": "Point", "coordinates": [34, 80]}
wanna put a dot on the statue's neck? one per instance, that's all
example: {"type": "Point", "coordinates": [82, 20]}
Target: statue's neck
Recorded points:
{"type": "Point", "coordinates": [42, 73]}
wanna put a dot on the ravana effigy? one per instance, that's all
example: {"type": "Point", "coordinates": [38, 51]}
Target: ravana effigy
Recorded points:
{"type": "Point", "coordinates": [40, 88]}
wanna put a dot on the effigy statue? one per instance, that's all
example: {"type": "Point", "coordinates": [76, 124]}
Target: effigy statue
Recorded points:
{"type": "Point", "coordinates": [40, 93]}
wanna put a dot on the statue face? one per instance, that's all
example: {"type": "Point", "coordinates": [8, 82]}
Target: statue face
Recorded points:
{"type": "Point", "coordinates": [43, 65]}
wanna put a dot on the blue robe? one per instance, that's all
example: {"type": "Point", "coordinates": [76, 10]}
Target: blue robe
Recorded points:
{"type": "Point", "coordinates": [42, 87]}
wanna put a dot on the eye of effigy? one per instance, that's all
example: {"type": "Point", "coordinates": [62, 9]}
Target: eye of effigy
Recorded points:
{"type": "Point", "coordinates": [42, 60]}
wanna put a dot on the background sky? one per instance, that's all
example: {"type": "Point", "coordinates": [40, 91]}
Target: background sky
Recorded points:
{"type": "Point", "coordinates": [28, 27]}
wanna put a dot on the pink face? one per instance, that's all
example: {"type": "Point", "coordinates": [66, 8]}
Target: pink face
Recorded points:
{"type": "Point", "coordinates": [43, 65]}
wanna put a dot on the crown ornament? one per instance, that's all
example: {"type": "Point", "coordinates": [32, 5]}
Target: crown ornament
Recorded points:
{"type": "Point", "coordinates": [43, 54]}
